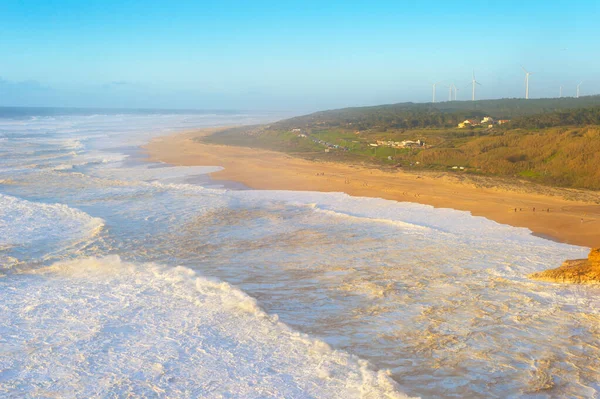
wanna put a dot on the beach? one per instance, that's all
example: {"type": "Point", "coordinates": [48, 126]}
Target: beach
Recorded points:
{"type": "Point", "coordinates": [206, 288]}
{"type": "Point", "coordinates": [547, 212]}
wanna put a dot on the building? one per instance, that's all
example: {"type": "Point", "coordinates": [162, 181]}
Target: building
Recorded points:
{"type": "Point", "coordinates": [411, 143]}
{"type": "Point", "coordinates": [468, 122]}
{"type": "Point", "coordinates": [399, 144]}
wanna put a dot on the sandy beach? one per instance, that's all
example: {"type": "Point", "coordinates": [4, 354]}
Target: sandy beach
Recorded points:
{"type": "Point", "coordinates": [549, 213]}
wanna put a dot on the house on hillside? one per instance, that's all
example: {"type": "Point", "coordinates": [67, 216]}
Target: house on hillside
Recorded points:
{"type": "Point", "coordinates": [503, 121]}
{"type": "Point", "coordinates": [411, 143]}
{"type": "Point", "coordinates": [389, 143]}
{"type": "Point", "coordinates": [399, 144]}
{"type": "Point", "coordinates": [487, 120]}
{"type": "Point", "coordinates": [467, 123]}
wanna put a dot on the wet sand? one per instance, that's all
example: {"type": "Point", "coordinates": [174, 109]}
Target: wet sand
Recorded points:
{"type": "Point", "coordinates": [574, 222]}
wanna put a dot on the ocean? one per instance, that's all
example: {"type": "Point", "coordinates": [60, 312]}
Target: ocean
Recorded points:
{"type": "Point", "coordinates": [121, 277]}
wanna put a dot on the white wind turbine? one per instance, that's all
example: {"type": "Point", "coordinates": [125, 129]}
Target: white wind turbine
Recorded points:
{"type": "Point", "coordinates": [578, 88]}
{"type": "Point", "coordinates": [474, 82]}
{"type": "Point", "coordinates": [560, 95]}
{"type": "Point", "coordinates": [433, 91]}
{"type": "Point", "coordinates": [526, 82]}
{"type": "Point", "coordinates": [455, 92]}
{"type": "Point", "coordinates": [452, 89]}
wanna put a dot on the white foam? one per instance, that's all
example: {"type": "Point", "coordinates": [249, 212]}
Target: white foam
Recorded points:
{"type": "Point", "coordinates": [101, 327]}
{"type": "Point", "coordinates": [403, 225]}
{"type": "Point", "coordinates": [405, 214]}
{"type": "Point", "coordinates": [43, 227]}
{"type": "Point", "coordinates": [144, 173]}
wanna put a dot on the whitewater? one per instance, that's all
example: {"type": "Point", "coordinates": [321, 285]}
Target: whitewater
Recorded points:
{"type": "Point", "coordinates": [120, 277]}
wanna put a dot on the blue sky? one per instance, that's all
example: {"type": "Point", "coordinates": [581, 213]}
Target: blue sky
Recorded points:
{"type": "Point", "coordinates": [294, 56]}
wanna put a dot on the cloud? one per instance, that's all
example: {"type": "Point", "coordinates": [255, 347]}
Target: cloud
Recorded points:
{"type": "Point", "coordinates": [117, 84]}
{"type": "Point", "coordinates": [7, 85]}
{"type": "Point", "coordinates": [27, 92]}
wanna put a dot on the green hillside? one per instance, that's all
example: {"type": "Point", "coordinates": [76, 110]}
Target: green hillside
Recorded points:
{"type": "Point", "coordinates": [558, 146]}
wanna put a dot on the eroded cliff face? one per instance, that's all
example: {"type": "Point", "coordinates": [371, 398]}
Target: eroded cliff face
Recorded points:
{"type": "Point", "coordinates": [594, 256]}
{"type": "Point", "coordinates": [579, 271]}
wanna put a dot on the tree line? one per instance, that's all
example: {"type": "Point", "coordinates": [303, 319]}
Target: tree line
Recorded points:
{"type": "Point", "coordinates": [571, 117]}
{"type": "Point", "coordinates": [524, 113]}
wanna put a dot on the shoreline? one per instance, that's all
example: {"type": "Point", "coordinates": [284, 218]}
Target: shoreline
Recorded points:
{"type": "Point", "coordinates": [575, 222]}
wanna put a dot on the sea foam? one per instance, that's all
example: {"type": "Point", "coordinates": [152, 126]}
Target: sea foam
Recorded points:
{"type": "Point", "coordinates": [101, 327]}
{"type": "Point", "coordinates": [30, 228]}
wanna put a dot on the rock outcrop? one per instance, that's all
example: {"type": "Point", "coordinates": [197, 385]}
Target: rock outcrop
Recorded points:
{"type": "Point", "coordinates": [579, 271]}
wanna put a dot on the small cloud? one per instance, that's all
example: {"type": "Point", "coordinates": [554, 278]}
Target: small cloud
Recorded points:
{"type": "Point", "coordinates": [254, 91]}
{"type": "Point", "coordinates": [117, 83]}
{"type": "Point", "coordinates": [23, 85]}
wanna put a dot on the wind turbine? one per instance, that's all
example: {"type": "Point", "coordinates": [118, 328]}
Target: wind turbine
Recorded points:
{"type": "Point", "coordinates": [526, 82]}
{"type": "Point", "coordinates": [578, 88]}
{"type": "Point", "coordinates": [560, 96]}
{"type": "Point", "coordinates": [452, 92]}
{"type": "Point", "coordinates": [435, 84]}
{"type": "Point", "coordinates": [474, 82]}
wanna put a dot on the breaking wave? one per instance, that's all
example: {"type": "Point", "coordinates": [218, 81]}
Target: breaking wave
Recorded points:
{"type": "Point", "coordinates": [102, 327]}
{"type": "Point", "coordinates": [32, 229]}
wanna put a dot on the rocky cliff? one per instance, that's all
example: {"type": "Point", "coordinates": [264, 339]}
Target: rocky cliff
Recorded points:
{"type": "Point", "coordinates": [579, 271]}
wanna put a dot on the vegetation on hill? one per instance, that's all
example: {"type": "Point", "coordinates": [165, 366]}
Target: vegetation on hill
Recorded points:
{"type": "Point", "coordinates": [559, 147]}
{"type": "Point", "coordinates": [571, 117]}
{"type": "Point", "coordinates": [427, 115]}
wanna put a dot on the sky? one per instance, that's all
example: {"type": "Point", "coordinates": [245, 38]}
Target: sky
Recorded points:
{"type": "Point", "coordinates": [295, 56]}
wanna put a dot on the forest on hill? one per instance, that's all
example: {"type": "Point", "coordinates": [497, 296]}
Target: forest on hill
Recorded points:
{"type": "Point", "coordinates": [569, 117]}
{"type": "Point", "coordinates": [444, 114]}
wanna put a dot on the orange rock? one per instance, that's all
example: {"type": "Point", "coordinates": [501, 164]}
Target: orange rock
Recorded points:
{"type": "Point", "coordinates": [594, 255]}
{"type": "Point", "coordinates": [579, 271]}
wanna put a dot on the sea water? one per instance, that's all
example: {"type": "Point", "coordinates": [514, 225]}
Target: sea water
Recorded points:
{"type": "Point", "coordinates": [121, 277]}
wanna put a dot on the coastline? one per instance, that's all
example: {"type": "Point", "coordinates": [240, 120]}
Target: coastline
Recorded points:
{"type": "Point", "coordinates": [575, 222]}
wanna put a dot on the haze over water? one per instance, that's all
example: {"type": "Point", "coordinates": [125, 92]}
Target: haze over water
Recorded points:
{"type": "Point", "coordinates": [93, 303]}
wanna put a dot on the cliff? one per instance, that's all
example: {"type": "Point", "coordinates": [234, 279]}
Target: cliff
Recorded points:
{"type": "Point", "coordinates": [578, 271]}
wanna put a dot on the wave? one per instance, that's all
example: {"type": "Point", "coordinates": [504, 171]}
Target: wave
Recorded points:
{"type": "Point", "coordinates": [460, 224]}
{"type": "Point", "coordinates": [43, 229]}
{"type": "Point", "coordinates": [105, 327]}
{"type": "Point", "coordinates": [143, 174]}
{"type": "Point", "coordinates": [89, 159]}
{"type": "Point", "coordinates": [397, 223]}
